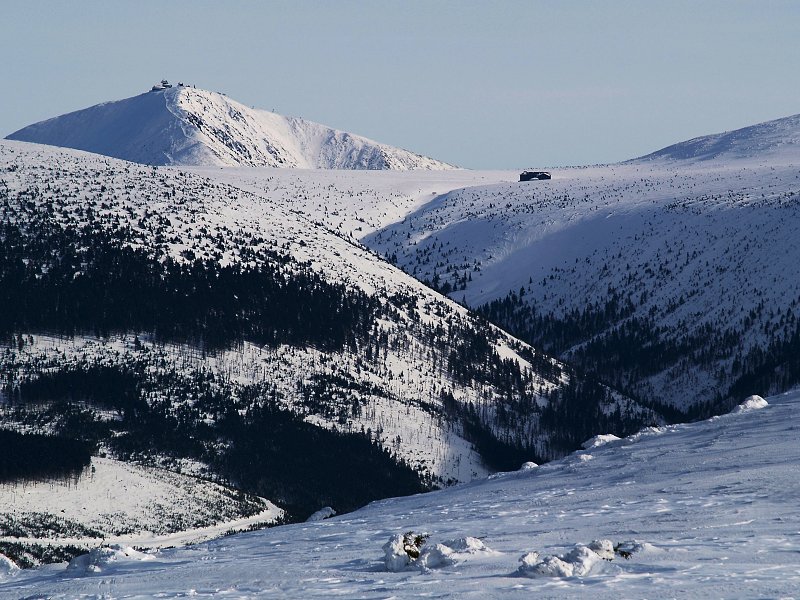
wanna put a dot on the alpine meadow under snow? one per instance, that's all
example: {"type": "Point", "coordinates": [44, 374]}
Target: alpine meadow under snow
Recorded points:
{"type": "Point", "coordinates": [204, 341]}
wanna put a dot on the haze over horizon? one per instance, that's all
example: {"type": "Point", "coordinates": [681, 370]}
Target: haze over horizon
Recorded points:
{"type": "Point", "coordinates": [507, 85]}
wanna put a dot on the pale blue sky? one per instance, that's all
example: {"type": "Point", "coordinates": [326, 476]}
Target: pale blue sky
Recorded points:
{"type": "Point", "coordinates": [479, 84]}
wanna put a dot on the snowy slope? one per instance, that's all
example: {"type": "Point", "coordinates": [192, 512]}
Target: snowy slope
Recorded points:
{"type": "Point", "coordinates": [771, 138]}
{"type": "Point", "coordinates": [352, 203]}
{"type": "Point", "coordinates": [116, 502]}
{"type": "Point", "coordinates": [682, 241]}
{"type": "Point", "coordinates": [399, 390]}
{"type": "Point", "coordinates": [701, 510]}
{"type": "Point", "coordinates": [188, 126]}
{"type": "Point", "coordinates": [679, 246]}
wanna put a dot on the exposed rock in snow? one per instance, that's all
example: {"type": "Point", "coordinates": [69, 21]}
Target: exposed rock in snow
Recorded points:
{"type": "Point", "coordinates": [599, 440]}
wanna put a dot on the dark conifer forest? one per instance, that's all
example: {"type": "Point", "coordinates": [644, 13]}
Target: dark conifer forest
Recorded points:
{"type": "Point", "coordinates": [98, 286]}
{"type": "Point", "coordinates": [32, 457]}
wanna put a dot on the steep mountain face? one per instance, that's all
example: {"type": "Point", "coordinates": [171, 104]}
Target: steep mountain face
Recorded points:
{"type": "Point", "coordinates": [188, 126]}
{"type": "Point", "coordinates": [178, 321]}
{"type": "Point", "coordinates": [769, 139]}
{"type": "Point", "coordinates": [670, 279]}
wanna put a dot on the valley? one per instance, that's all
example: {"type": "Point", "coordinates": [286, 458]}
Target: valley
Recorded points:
{"type": "Point", "coordinates": [236, 344]}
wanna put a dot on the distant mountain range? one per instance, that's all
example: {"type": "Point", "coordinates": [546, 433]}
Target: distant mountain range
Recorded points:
{"type": "Point", "coordinates": [183, 125]}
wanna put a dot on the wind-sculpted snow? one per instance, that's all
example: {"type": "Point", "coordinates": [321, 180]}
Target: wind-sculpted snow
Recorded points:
{"type": "Point", "coordinates": [706, 509]}
{"type": "Point", "coordinates": [187, 126]}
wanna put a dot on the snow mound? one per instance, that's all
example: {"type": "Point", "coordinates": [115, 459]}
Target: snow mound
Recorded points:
{"type": "Point", "coordinates": [629, 547]}
{"type": "Point", "coordinates": [405, 551]}
{"type": "Point", "coordinates": [753, 402]}
{"type": "Point", "coordinates": [467, 545]}
{"type": "Point", "coordinates": [603, 548]}
{"type": "Point", "coordinates": [526, 466]}
{"type": "Point", "coordinates": [323, 513]}
{"type": "Point", "coordinates": [7, 567]}
{"type": "Point", "coordinates": [581, 458]}
{"type": "Point", "coordinates": [99, 559]}
{"type": "Point", "coordinates": [578, 562]}
{"type": "Point", "coordinates": [599, 440]}
{"type": "Point", "coordinates": [402, 550]}
{"type": "Point", "coordinates": [550, 566]}
{"type": "Point", "coordinates": [438, 555]}
{"type": "Point", "coordinates": [647, 432]}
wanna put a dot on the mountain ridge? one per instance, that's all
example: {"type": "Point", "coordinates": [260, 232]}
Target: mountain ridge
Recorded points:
{"type": "Point", "coordinates": [185, 126]}
{"type": "Point", "coordinates": [661, 265]}
{"type": "Point", "coordinates": [760, 140]}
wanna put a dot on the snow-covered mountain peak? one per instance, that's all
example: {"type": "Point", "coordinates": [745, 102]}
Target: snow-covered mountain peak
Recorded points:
{"type": "Point", "coordinates": [188, 126]}
{"type": "Point", "coordinates": [777, 138]}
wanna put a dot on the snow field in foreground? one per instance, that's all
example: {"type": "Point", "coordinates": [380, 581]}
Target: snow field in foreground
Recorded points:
{"type": "Point", "coordinates": [699, 510]}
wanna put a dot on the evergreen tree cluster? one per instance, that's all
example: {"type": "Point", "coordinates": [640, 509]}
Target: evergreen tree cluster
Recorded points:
{"type": "Point", "coordinates": [69, 281]}
{"type": "Point", "coordinates": [613, 344]}
{"type": "Point", "coordinates": [34, 457]}
{"type": "Point", "coordinates": [303, 467]}
{"type": "Point", "coordinates": [104, 267]}
{"type": "Point", "coordinates": [241, 431]}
